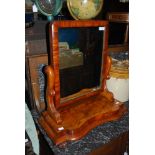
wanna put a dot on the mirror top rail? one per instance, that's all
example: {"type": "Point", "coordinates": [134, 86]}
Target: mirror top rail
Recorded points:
{"type": "Point", "coordinates": [78, 23]}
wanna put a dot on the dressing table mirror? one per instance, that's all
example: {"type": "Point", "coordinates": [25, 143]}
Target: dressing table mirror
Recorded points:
{"type": "Point", "coordinates": [76, 96]}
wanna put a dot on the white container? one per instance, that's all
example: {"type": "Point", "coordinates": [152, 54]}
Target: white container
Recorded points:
{"type": "Point", "coordinates": [118, 83]}
{"type": "Point", "coordinates": [119, 87]}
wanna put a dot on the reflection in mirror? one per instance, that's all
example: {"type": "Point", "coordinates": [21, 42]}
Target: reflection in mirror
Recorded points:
{"type": "Point", "coordinates": [80, 60]}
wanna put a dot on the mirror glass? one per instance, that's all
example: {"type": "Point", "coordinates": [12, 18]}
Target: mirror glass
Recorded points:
{"type": "Point", "coordinates": [80, 60]}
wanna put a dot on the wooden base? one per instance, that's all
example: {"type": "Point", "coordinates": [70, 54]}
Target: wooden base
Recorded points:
{"type": "Point", "coordinates": [79, 119]}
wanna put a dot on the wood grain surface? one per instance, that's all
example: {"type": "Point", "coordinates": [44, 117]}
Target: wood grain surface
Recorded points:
{"type": "Point", "coordinates": [78, 115]}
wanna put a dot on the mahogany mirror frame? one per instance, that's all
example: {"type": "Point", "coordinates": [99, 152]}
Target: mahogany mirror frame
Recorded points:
{"type": "Point", "coordinates": [54, 55]}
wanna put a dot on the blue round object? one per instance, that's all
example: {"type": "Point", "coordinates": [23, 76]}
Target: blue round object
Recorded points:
{"type": "Point", "coordinates": [49, 8]}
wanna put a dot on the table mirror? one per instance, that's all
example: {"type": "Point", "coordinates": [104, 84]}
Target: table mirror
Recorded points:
{"type": "Point", "coordinates": [76, 95]}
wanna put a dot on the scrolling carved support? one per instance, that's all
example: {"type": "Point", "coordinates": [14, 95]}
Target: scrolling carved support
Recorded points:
{"type": "Point", "coordinates": [106, 93]}
{"type": "Point", "coordinates": [50, 95]}
{"type": "Point", "coordinates": [107, 70]}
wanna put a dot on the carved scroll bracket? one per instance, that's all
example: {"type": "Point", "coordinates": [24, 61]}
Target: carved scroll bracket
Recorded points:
{"type": "Point", "coordinates": [107, 70]}
{"type": "Point", "coordinates": [50, 95]}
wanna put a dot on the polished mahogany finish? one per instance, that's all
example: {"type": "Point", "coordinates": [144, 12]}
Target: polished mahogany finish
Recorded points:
{"type": "Point", "coordinates": [54, 42]}
{"type": "Point", "coordinates": [50, 94]}
{"type": "Point", "coordinates": [82, 111]}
